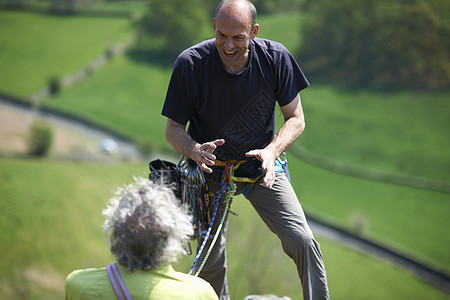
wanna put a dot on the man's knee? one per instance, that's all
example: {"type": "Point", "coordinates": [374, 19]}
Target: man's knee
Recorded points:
{"type": "Point", "coordinates": [299, 241]}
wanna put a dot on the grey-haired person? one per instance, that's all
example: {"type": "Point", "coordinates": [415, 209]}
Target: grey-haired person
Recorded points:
{"type": "Point", "coordinates": [146, 230]}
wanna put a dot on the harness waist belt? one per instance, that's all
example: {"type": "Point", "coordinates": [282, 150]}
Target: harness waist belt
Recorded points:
{"type": "Point", "coordinates": [235, 164]}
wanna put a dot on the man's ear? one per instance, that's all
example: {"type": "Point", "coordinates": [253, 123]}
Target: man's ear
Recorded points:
{"type": "Point", "coordinates": [214, 24]}
{"type": "Point", "coordinates": [255, 30]}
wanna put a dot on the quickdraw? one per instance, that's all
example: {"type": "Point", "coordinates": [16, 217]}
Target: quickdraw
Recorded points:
{"type": "Point", "coordinates": [194, 195]}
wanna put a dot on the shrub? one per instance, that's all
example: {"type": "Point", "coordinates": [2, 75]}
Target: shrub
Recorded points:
{"type": "Point", "coordinates": [54, 85]}
{"type": "Point", "coordinates": [145, 148]}
{"type": "Point", "coordinates": [40, 139]}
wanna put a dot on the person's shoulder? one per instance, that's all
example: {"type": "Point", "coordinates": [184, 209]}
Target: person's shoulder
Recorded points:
{"type": "Point", "coordinates": [78, 282]}
{"type": "Point", "coordinates": [201, 287]}
{"type": "Point", "coordinates": [197, 52]}
{"type": "Point", "coordinates": [269, 46]}
{"type": "Point", "coordinates": [84, 275]}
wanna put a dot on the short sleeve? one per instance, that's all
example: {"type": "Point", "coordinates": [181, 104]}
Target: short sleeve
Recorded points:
{"type": "Point", "coordinates": [176, 105]}
{"type": "Point", "coordinates": [290, 78]}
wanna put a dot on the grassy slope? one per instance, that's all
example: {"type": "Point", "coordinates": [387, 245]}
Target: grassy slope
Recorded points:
{"type": "Point", "coordinates": [127, 95]}
{"type": "Point", "coordinates": [398, 132]}
{"type": "Point", "coordinates": [401, 132]}
{"type": "Point", "coordinates": [36, 47]}
{"type": "Point", "coordinates": [412, 220]}
{"type": "Point", "coordinates": [52, 231]}
{"type": "Point", "coordinates": [138, 91]}
{"type": "Point", "coordinates": [51, 217]}
{"type": "Point", "coordinates": [267, 270]}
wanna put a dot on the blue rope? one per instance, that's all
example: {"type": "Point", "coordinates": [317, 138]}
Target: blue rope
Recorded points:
{"type": "Point", "coordinates": [217, 196]}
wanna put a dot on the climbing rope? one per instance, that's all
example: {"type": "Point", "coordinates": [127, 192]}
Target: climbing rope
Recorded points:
{"type": "Point", "coordinates": [227, 197]}
{"type": "Point", "coordinates": [225, 193]}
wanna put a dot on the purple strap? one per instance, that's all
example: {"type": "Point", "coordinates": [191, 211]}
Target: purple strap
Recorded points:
{"type": "Point", "coordinates": [113, 274]}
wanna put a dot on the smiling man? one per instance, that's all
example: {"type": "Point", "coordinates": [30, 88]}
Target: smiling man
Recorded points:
{"type": "Point", "coordinates": [227, 89]}
{"type": "Point", "coordinates": [233, 36]}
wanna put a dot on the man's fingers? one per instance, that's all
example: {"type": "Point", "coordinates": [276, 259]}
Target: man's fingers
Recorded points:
{"type": "Point", "coordinates": [205, 168]}
{"type": "Point", "coordinates": [211, 146]}
{"type": "Point", "coordinates": [207, 156]}
{"type": "Point", "coordinates": [254, 153]}
{"type": "Point", "coordinates": [219, 142]}
{"type": "Point", "coordinates": [269, 179]}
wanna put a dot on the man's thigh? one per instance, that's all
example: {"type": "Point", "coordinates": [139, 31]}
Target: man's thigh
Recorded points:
{"type": "Point", "coordinates": [279, 208]}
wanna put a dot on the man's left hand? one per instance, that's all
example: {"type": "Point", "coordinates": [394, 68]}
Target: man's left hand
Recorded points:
{"type": "Point", "coordinates": [267, 157]}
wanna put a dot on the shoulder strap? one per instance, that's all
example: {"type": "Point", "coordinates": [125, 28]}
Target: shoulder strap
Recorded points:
{"type": "Point", "coordinates": [113, 274]}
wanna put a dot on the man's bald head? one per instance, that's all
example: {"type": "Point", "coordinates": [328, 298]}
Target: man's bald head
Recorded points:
{"type": "Point", "coordinates": [233, 6]}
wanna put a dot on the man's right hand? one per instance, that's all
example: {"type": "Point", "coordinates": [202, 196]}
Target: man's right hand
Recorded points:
{"type": "Point", "coordinates": [179, 139]}
{"type": "Point", "coordinates": [203, 154]}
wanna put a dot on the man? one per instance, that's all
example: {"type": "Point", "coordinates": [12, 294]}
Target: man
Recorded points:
{"type": "Point", "coordinates": [146, 230]}
{"type": "Point", "coordinates": [227, 89]}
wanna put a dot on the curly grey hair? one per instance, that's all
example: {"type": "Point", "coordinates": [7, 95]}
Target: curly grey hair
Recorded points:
{"type": "Point", "coordinates": [145, 226]}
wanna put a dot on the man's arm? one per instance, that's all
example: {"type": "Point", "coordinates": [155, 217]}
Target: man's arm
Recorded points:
{"type": "Point", "coordinates": [179, 139]}
{"type": "Point", "coordinates": [294, 124]}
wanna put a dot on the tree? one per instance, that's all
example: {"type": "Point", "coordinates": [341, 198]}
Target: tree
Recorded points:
{"type": "Point", "coordinates": [176, 24]}
{"type": "Point", "coordinates": [402, 43]}
{"type": "Point", "coordinates": [69, 6]}
{"type": "Point", "coordinates": [16, 3]}
{"type": "Point", "coordinates": [276, 6]}
{"type": "Point", "coordinates": [63, 6]}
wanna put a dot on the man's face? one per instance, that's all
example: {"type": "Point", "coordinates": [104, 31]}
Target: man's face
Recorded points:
{"type": "Point", "coordinates": [233, 35]}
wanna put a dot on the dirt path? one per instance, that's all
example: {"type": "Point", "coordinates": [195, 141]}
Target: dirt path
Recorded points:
{"type": "Point", "coordinates": [72, 140]}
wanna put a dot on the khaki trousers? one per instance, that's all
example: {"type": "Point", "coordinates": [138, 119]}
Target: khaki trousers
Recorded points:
{"type": "Point", "coordinates": [281, 211]}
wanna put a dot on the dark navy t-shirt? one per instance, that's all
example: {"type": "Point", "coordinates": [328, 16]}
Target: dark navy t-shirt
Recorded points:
{"type": "Point", "coordinates": [239, 108]}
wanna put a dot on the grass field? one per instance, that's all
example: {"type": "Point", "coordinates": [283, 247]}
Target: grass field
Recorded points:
{"type": "Point", "coordinates": [412, 220]}
{"type": "Point", "coordinates": [125, 95]}
{"type": "Point", "coordinates": [388, 212]}
{"type": "Point", "coordinates": [398, 132]}
{"type": "Point", "coordinates": [351, 275]}
{"type": "Point", "coordinates": [48, 232]}
{"type": "Point", "coordinates": [37, 47]}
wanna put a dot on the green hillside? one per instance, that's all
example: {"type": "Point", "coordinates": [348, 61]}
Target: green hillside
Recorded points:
{"type": "Point", "coordinates": [51, 220]}
{"type": "Point", "coordinates": [51, 225]}
{"type": "Point", "coordinates": [37, 47]}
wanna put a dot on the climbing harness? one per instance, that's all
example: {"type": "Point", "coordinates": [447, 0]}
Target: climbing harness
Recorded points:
{"type": "Point", "coordinates": [190, 188]}
{"type": "Point", "coordinates": [282, 160]}
{"type": "Point", "coordinates": [234, 164]}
